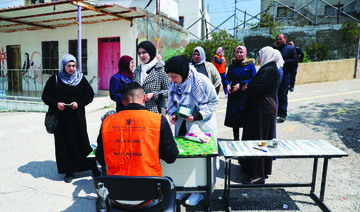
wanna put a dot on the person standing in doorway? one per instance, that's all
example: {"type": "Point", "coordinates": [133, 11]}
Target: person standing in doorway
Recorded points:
{"type": "Point", "coordinates": [288, 54]}
{"type": "Point", "coordinates": [300, 55]}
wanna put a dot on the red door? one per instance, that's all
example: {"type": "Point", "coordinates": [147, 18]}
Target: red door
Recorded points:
{"type": "Point", "coordinates": [108, 57]}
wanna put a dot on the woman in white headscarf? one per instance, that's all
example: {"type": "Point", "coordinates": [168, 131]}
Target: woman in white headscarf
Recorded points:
{"type": "Point", "coordinates": [68, 93]}
{"type": "Point", "coordinates": [208, 69]}
{"type": "Point", "coordinates": [260, 112]}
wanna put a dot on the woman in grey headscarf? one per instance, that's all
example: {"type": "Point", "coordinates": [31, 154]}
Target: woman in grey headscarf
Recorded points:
{"type": "Point", "coordinates": [260, 112]}
{"type": "Point", "coordinates": [68, 93]}
{"type": "Point", "coordinates": [198, 60]}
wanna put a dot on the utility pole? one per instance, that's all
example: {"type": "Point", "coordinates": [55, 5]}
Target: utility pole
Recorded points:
{"type": "Point", "coordinates": [235, 21]}
{"type": "Point", "coordinates": [203, 27]}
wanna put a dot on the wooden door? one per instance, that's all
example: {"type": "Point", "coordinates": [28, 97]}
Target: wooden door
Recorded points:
{"type": "Point", "coordinates": [108, 58]}
{"type": "Point", "coordinates": [14, 69]}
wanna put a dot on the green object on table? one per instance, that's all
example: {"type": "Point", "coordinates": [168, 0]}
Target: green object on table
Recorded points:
{"type": "Point", "coordinates": [189, 148]}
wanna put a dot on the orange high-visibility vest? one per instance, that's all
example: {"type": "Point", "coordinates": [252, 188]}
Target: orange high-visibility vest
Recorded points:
{"type": "Point", "coordinates": [131, 141]}
{"type": "Point", "coordinates": [221, 68]}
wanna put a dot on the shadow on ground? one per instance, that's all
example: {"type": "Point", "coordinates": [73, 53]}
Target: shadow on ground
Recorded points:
{"type": "Point", "coordinates": [341, 117]}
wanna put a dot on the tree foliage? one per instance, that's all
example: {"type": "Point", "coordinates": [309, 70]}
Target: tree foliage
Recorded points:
{"type": "Point", "coordinates": [266, 20]}
{"type": "Point", "coordinates": [318, 51]}
{"type": "Point", "coordinates": [349, 33]}
{"type": "Point", "coordinates": [219, 39]}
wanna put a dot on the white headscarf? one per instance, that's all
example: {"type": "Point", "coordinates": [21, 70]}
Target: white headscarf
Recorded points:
{"type": "Point", "coordinates": [202, 55]}
{"type": "Point", "coordinates": [268, 54]}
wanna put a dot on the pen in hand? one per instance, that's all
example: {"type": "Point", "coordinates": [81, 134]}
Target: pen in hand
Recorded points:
{"type": "Point", "coordinates": [260, 149]}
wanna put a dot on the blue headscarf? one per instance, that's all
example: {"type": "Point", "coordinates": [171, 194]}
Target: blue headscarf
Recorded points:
{"type": "Point", "coordinates": [69, 79]}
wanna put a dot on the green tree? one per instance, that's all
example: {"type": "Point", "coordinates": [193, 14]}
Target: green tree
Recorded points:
{"type": "Point", "coordinates": [349, 33]}
{"type": "Point", "coordinates": [219, 39]}
{"type": "Point", "coordinates": [266, 20]}
{"type": "Point", "coordinates": [318, 51]}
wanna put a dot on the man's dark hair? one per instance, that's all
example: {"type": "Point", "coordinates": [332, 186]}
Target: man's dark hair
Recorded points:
{"type": "Point", "coordinates": [128, 87]}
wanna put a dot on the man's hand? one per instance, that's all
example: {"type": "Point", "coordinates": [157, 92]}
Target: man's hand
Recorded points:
{"type": "Point", "coordinates": [190, 118]}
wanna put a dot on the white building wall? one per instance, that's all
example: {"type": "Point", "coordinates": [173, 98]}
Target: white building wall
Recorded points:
{"type": "Point", "coordinates": [190, 9]}
{"type": "Point", "coordinates": [30, 42]}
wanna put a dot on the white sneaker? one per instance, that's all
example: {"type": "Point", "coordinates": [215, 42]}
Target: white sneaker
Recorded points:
{"type": "Point", "coordinates": [194, 199]}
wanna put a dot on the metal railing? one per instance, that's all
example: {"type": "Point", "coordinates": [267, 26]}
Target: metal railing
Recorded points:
{"type": "Point", "coordinates": [23, 82]}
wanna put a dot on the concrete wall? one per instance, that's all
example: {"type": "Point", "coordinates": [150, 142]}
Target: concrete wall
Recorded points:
{"type": "Point", "coordinates": [311, 9]}
{"type": "Point", "coordinates": [255, 39]}
{"type": "Point", "coordinates": [326, 71]}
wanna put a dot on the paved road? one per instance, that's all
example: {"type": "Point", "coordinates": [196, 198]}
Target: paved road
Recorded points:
{"type": "Point", "coordinates": [29, 179]}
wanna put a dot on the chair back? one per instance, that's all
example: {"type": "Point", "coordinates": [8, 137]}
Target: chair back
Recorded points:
{"type": "Point", "coordinates": [135, 188]}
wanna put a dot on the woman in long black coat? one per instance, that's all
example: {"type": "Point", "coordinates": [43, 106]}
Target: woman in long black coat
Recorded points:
{"type": "Point", "coordinates": [240, 72]}
{"type": "Point", "coordinates": [260, 112]}
{"type": "Point", "coordinates": [69, 99]}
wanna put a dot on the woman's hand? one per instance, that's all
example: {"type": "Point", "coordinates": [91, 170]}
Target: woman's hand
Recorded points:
{"type": "Point", "coordinates": [61, 105]}
{"type": "Point", "coordinates": [236, 87]}
{"type": "Point", "coordinates": [173, 119]}
{"type": "Point", "coordinates": [228, 88]}
{"type": "Point", "coordinates": [190, 118]}
{"type": "Point", "coordinates": [149, 96]}
{"type": "Point", "coordinates": [74, 105]}
{"type": "Point", "coordinates": [244, 87]}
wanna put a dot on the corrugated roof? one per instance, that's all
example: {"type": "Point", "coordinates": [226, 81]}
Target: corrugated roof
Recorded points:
{"type": "Point", "coordinates": [62, 13]}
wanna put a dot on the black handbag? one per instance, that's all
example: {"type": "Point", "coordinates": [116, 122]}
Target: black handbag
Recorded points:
{"type": "Point", "coordinates": [51, 117]}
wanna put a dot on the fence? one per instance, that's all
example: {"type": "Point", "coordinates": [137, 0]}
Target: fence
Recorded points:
{"type": "Point", "coordinates": [24, 83]}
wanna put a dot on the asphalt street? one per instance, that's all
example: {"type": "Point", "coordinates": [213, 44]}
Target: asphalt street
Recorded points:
{"type": "Point", "coordinates": [329, 111]}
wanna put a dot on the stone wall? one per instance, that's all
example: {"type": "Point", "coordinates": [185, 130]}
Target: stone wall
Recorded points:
{"type": "Point", "coordinates": [255, 39]}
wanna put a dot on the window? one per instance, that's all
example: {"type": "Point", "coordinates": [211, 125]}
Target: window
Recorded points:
{"type": "Point", "coordinates": [330, 9]}
{"type": "Point", "coordinates": [181, 21]}
{"type": "Point", "coordinates": [50, 56]}
{"type": "Point", "coordinates": [284, 11]}
{"type": "Point", "coordinates": [73, 49]}
{"type": "Point", "coordinates": [37, 1]}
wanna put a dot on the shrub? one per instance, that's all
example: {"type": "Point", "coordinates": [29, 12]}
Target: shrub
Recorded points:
{"type": "Point", "coordinates": [318, 51]}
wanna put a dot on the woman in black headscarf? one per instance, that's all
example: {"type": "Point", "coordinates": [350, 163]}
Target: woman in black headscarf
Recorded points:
{"type": "Point", "coordinates": [68, 93]}
{"type": "Point", "coordinates": [152, 78]}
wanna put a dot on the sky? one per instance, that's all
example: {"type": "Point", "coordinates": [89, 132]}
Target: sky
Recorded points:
{"type": "Point", "coordinates": [220, 10]}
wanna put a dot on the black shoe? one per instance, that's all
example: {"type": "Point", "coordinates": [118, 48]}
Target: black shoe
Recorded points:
{"type": "Point", "coordinates": [281, 119]}
{"type": "Point", "coordinates": [291, 89]}
{"type": "Point", "coordinates": [260, 180]}
{"type": "Point", "coordinates": [96, 172]}
{"type": "Point", "coordinates": [68, 178]}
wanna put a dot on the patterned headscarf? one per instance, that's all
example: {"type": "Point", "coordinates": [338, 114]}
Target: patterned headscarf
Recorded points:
{"type": "Point", "coordinates": [202, 55]}
{"type": "Point", "coordinates": [69, 79]}
{"type": "Point", "coordinates": [243, 49]}
{"type": "Point", "coordinates": [268, 54]}
{"type": "Point", "coordinates": [190, 90]}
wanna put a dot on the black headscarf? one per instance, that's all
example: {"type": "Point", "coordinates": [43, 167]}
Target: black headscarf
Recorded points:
{"type": "Point", "coordinates": [149, 48]}
{"type": "Point", "coordinates": [178, 65]}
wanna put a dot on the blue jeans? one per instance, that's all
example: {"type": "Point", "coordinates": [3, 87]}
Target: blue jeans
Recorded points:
{"type": "Point", "coordinates": [293, 78]}
{"type": "Point", "coordinates": [282, 95]}
{"type": "Point", "coordinates": [223, 82]}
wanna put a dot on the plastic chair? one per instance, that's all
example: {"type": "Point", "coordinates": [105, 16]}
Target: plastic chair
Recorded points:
{"type": "Point", "coordinates": [138, 188]}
